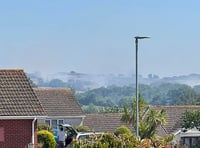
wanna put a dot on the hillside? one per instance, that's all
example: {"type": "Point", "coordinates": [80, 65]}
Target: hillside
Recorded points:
{"type": "Point", "coordinates": [84, 82]}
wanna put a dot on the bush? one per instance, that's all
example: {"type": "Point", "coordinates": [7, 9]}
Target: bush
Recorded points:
{"type": "Point", "coordinates": [109, 140]}
{"type": "Point", "coordinates": [44, 127]}
{"type": "Point", "coordinates": [46, 139]}
{"type": "Point", "coordinates": [122, 130]}
{"type": "Point", "coordinates": [82, 128]}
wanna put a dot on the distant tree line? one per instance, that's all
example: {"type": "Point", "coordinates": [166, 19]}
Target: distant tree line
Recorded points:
{"type": "Point", "coordinates": [157, 94]}
{"type": "Point", "coordinates": [72, 83]}
{"type": "Point", "coordinates": [113, 98]}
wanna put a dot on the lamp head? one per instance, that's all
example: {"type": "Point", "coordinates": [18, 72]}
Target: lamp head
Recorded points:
{"type": "Point", "coordinates": [141, 37]}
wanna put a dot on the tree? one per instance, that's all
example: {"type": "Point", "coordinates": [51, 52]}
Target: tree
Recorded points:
{"type": "Point", "coordinates": [182, 95]}
{"type": "Point", "coordinates": [91, 108]}
{"type": "Point", "coordinates": [122, 130]}
{"type": "Point", "coordinates": [191, 119]}
{"type": "Point", "coordinates": [129, 115]}
{"type": "Point", "coordinates": [149, 119]}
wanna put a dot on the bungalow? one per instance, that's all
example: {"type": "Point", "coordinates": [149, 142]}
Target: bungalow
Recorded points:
{"type": "Point", "coordinates": [19, 111]}
{"type": "Point", "coordinates": [60, 105]}
{"type": "Point", "coordinates": [110, 121]}
{"type": "Point", "coordinates": [106, 122]}
{"type": "Point", "coordinates": [174, 120]}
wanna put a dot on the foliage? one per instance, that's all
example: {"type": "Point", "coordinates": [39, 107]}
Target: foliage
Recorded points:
{"type": "Point", "coordinates": [150, 122]}
{"type": "Point", "coordinates": [44, 127]}
{"type": "Point", "coordinates": [160, 142]}
{"type": "Point", "coordinates": [113, 109]}
{"type": "Point", "coordinates": [129, 114]}
{"type": "Point", "coordinates": [191, 119]}
{"type": "Point", "coordinates": [182, 95]}
{"type": "Point", "coordinates": [91, 108]}
{"type": "Point", "coordinates": [82, 128]}
{"type": "Point", "coordinates": [156, 94]}
{"type": "Point", "coordinates": [122, 141]}
{"type": "Point", "coordinates": [149, 119]}
{"type": "Point", "coordinates": [122, 130]}
{"type": "Point", "coordinates": [57, 83]}
{"type": "Point", "coordinates": [46, 139]}
{"type": "Point", "coordinates": [94, 98]}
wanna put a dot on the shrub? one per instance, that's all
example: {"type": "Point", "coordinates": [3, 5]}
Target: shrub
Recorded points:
{"type": "Point", "coordinates": [122, 130]}
{"type": "Point", "coordinates": [82, 128]}
{"type": "Point", "coordinates": [109, 140]}
{"type": "Point", "coordinates": [46, 139]}
{"type": "Point", "coordinates": [44, 127]}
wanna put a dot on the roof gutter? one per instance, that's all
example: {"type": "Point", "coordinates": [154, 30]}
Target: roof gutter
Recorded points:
{"type": "Point", "coordinates": [21, 117]}
{"type": "Point", "coordinates": [52, 117]}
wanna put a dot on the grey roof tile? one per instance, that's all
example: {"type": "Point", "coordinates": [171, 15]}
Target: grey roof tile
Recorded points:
{"type": "Point", "coordinates": [174, 116]}
{"type": "Point", "coordinates": [104, 122]}
{"type": "Point", "coordinates": [111, 121]}
{"type": "Point", "coordinates": [59, 102]}
{"type": "Point", "coordinates": [17, 97]}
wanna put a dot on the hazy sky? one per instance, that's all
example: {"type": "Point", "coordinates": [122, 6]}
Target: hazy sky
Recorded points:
{"type": "Point", "coordinates": [97, 36]}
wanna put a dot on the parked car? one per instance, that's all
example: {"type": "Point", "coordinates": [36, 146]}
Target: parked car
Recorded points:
{"type": "Point", "coordinates": [73, 134]}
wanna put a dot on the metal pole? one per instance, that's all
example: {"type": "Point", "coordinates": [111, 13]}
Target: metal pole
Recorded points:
{"type": "Point", "coordinates": [136, 88]}
{"type": "Point", "coordinates": [136, 82]}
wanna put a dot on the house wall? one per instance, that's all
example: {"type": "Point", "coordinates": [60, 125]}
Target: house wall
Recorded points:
{"type": "Point", "coordinates": [71, 121]}
{"type": "Point", "coordinates": [16, 133]}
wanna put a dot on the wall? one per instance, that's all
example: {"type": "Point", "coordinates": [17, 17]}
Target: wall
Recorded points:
{"type": "Point", "coordinates": [71, 121]}
{"type": "Point", "coordinates": [16, 133]}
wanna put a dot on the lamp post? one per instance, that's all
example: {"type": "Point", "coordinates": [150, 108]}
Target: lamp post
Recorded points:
{"type": "Point", "coordinates": [136, 81]}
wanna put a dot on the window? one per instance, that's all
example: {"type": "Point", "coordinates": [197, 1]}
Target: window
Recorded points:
{"type": "Point", "coordinates": [47, 122]}
{"type": "Point", "coordinates": [54, 124]}
{"type": "Point", "coordinates": [60, 122]}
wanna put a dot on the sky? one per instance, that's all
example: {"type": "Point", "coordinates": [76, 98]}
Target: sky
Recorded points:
{"type": "Point", "coordinates": [97, 36]}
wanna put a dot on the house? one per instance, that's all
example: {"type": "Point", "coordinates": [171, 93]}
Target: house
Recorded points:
{"type": "Point", "coordinates": [19, 110]}
{"type": "Point", "coordinates": [190, 137]}
{"type": "Point", "coordinates": [174, 120]}
{"type": "Point", "coordinates": [61, 106]}
{"type": "Point", "coordinates": [105, 122]}
{"type": "Point", "coordinates": [110, 121]}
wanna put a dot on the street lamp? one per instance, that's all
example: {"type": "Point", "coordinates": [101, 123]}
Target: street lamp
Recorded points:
{"type": "Point", "coordinates": [136, 81]}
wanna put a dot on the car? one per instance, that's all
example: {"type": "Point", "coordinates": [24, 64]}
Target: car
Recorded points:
{"type": "Point", "coordinates": [73, 134]}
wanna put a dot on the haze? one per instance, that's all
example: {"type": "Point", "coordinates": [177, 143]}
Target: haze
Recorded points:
{"type": "Point", "coordinates": [98, 36]}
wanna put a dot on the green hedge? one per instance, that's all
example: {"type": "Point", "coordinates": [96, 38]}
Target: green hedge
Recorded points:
{"type": "Point", "coordinates": [46, 139]}
{"type": "Point", "coordinates": [122, 130]}
{"type": "Point", "coordinates": [44, 127]}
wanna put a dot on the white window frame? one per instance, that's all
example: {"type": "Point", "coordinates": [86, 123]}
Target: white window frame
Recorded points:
{"type": "Point", "coordinates": [58, 121]}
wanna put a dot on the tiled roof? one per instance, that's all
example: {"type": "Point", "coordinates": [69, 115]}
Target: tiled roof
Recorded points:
{"type": "Point", "coordinates": [104, 122]}
{"type": "Point", "coordinates": [17, 97]}
{"type": "Point", "coordinates": [110, 121]}
{"type": "Point", "coordinates": [59, 102]}
{"type": "Point", "coordinates": [174, 117]}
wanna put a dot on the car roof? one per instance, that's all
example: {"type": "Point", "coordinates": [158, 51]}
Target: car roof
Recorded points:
{"type": "Point", "coordinates": [65, 125]}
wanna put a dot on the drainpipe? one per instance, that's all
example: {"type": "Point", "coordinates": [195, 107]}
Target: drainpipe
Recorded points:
{"type": "Point", "coordinates": [33, 130]}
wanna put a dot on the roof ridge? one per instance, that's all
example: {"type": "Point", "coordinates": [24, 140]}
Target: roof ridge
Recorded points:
{"type": "Point", "coordinates": [12, 70]}
{"type": "Point", "coordinates": [52, 88]}
{"type": "Point", "coordinates": [175, 106]}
